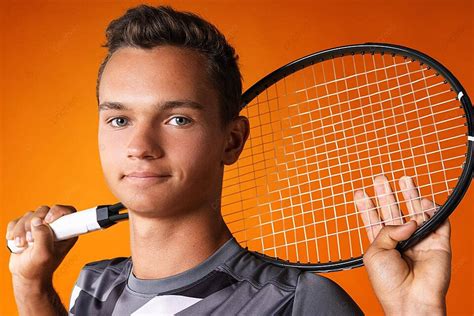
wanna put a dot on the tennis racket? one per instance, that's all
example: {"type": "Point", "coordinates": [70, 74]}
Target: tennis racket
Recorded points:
{"type": "Point", "coordinates": [322, 127]}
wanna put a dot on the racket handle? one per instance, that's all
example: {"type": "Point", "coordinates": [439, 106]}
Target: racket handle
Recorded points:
{"type": "Point", "coordinates": [78, 223]}
{"type": "Point", "coordinates": [75, 224]}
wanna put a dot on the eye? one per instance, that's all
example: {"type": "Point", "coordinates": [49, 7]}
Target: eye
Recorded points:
{"type": "Point", "coordinates": [179, 121]}
{"type": "Point", "coordinates": [118, 122]}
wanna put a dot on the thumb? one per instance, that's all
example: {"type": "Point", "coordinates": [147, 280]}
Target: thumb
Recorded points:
{"type": "Point", "coordinates": [42, 235]}
{"type": "Point", "coordinates": [389, 236]}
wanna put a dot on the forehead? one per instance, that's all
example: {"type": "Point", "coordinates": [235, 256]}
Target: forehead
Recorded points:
{"type": "Point", "coordinates": [161, 74]}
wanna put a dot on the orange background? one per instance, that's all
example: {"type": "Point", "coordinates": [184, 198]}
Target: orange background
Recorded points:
{"type": "Point", "coordinates": [49, 55]}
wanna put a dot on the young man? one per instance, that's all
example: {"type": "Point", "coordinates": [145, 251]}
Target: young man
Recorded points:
{"type": "Point", "coordinates": [169, 96]}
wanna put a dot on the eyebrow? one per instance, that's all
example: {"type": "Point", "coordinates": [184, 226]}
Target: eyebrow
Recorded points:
{"type": "Point", "coordinates": [162, 106]}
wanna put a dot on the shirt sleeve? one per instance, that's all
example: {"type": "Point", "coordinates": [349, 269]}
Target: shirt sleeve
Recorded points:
{"type": "Point", "coordinates": [317, 295]}
{"type": "Point", "coordinates": [72, 301]}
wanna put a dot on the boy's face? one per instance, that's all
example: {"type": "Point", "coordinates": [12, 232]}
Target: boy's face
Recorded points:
{"type": "Point", "coordinates": [161, 142]}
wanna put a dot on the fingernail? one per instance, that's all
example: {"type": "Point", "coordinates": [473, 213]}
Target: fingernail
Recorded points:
{"type": "Point", "coordinates": [17, 241]}
{"type": "Point", "coordinates": [36, 221]}
{"type": "Point", "coordinates": [48, 217]}
{"type": "Point", "coordinates": [29, 236]}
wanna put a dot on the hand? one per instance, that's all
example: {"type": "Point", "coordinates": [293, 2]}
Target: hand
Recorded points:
{"type": "Point", "coordinates": [37, 263]}
{"type": "Point", "coordinates": [415, 282]}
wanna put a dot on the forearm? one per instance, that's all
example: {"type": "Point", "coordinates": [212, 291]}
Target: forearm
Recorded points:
{"type": "Point", "coordinates": [34, 298]}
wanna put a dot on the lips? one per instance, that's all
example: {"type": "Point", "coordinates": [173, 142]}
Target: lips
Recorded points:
{"type": "Point", "coordinates": [145, 175]}
{"type": "Point", "coordinates": [145, 178]}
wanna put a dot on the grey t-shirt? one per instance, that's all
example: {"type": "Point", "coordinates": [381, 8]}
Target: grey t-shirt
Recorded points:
{"type": "Point", "coordinates": [232, 281]}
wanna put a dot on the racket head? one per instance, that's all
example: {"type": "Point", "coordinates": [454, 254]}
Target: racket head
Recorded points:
{"type": "Point", "coordinates": [252, 100]}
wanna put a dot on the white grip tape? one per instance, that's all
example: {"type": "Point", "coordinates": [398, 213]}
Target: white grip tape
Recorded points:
{"type": "Point", "coordinates": [75, 224]}
{"type": "Point", "coordinates": [68, 226]}
{"type": "Point", "coordinates": [13, 248]}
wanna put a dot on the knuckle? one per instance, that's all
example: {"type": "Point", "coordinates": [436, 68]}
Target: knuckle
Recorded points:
{"type": "Point", "coordinates": [62, 209]}
{"type": "Point", "coordinates": [42, 211]}
{"type": "Point", "coordinates": [69, 208]}
{"type": "Point", "coordinates": [42, 208]}
{"type": "Point", "coordinates": [53, 211]}
{"type": "Point", "coordinates": [54, 207]}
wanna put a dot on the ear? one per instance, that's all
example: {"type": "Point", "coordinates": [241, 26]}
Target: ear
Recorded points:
{"type": "Point", "coordinates": [237, 133]}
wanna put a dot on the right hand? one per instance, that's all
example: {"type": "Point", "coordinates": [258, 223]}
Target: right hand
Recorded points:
{"type": "Point", "coordinates": [37, 263]}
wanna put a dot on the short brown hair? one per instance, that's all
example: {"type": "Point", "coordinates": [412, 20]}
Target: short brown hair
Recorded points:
{"type": "Point", "coordinates": [147, 27]}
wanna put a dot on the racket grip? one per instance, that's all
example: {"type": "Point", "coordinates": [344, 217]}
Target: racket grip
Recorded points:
{"type": "Point", "coordinates": [75, 224]}
{"type": "Point", "coordinates": [68, 226]}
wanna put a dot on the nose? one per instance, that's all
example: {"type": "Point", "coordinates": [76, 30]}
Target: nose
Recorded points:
{"type": "Point", "coordinates": [144, 143]}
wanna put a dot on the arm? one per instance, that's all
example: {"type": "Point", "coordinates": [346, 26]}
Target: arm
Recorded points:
{"type": "Point", "coordinates": [32, 270]}
{"type": "Point", "coordinates": [36, 298]}
{"type": "Point", "coordinates": [415, 282]}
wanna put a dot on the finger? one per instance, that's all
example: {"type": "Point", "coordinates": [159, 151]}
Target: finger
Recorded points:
{"type": "Point", "coordinates": [56, 211]}
{"type": "Point", "coordinates": [388, 203]}
{"type": "Point", "coordinates": [412, 199]}
{"type": "Point", "coordinates": [43, 237]}
{"type": "Point", "coordinates": [368, 213]}
{"type": "Point", "coordinates": [429, 207]}
{"type": "Point", "coordinates": [19, 232]}
{"type": "Point", "coordinates": [11, 225]}
{"type": "Point", "coordinates": [390, 236]}
{"type": "Point", "coordinates": [39, 212]}
{"type": "Point", "coordinates": [444, 229]}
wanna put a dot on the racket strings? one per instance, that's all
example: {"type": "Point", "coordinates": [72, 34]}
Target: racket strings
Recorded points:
{"type": "Point", "coordinates": [401, 216]}
{"type": "Point", "coordinates": [337, 94]}
{"type": "Point", "coordinates": [345, 78]}
{"type": "Point", "coordinates": [349, 173]}
{"type": "Point", "coordinates": [361, 125]}
{"type": "Point", "coordinates": [348, 155]}
{"type": "Point", "coordinates": [266, 100]}
{"type": "Point", "coordinates": [333, 134]}
{"type": "Point", "coordinates": [381, 223]}
{"type": "Point", "coordinates": [356, 229]}
{"type": "Point", "coordinates": [311, 200]}
{"type": "Point", "coordinates": [334, 81]}
{"type": "Point", "coordinates": [437, 139]}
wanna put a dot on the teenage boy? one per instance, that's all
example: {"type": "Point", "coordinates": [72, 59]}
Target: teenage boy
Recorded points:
{"type": "Point", "coordinates": [169, 95]}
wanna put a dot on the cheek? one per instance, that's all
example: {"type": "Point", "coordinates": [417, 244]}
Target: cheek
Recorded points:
{"type": "Point", "coordinates": [108, 150]}
{"type": "Point", "coordinates": [202, 153]}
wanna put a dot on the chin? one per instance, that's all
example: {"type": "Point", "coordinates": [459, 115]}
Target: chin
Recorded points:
{"type": "Point", "coordinates": [138, 200]}
{"type": "Point", "coordinates": [141, 203]}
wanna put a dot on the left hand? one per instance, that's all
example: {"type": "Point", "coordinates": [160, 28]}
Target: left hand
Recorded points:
{"type": "Point", "coordinates": [416, 281]}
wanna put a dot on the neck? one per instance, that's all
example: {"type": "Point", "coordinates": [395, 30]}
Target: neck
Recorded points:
{"type": "Point", "coordinates": [163, 247]}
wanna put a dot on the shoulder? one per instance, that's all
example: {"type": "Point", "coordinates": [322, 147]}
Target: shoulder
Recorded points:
{"type": "Point", "coordinates": [115, 264]}
{"type": "Point", "coordinates": [315, 292]}
{"type": "Point", "coordinates": [97, 281]}
{"type": "Point", "coordinates": [103, 272]}
{"type": "Point", "coordinates": [253, 269]}
{"type": "Point", "coordinates": [310, 294]}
